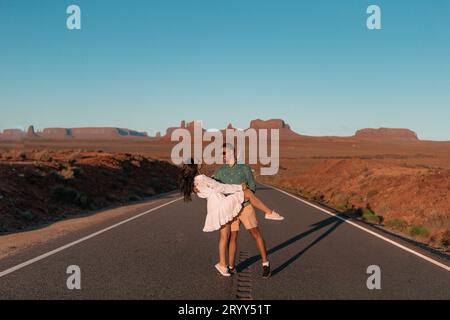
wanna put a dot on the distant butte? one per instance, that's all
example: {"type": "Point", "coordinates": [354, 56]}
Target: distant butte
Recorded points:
{"type": "Point", "coordinates": [12, 134]}
{"type": "Point", "coordinates": [386, 134]}
{"type": "Point", "coordinates": [286, 133]}
{"type": "Point", "coordinates": [269, 124]}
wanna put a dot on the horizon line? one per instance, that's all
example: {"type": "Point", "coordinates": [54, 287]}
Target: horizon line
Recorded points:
{"type": "Point", "coordinates": [163, 133]}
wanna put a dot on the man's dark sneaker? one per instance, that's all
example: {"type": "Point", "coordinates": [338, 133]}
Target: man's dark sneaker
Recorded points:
{"type": "Point", "coordinates": [266, 271]}
{"type": "Point", "coordinates": [231, 270]}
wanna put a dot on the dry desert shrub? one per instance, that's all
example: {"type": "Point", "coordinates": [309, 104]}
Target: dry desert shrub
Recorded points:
{"type": "Point", "coordinates": [438, 219]}
{"type": "Point", "coordinates": [418, 230]}
{"type": "Point", "coordinates": [372, 193]}
{"type": "Point", "coordinates": [74, 156]}
{"type": "Point", "coordinates": [15, 155]}
{"type": "Point", "coordinates": [397, 224]}
{"type": "Point", "coordinates": [43, 156]}
{"type": "Point", "coordinates": [445, 239]}
{"type": "Point", "coordinates": [70, 196]}
{"type": "Point", "coordinates": [136, 163]}
{"type": "Point", "coordinates": [70, 172]}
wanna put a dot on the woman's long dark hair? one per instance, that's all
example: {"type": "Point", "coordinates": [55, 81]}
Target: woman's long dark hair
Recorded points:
{"type": "Point", "coordinates": [186, 179]}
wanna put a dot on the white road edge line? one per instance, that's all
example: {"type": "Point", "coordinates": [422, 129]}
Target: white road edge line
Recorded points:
{"type": "Point", "coordinates": [437, 263]}
{"type": "Point", "coordinates": [71, 244]}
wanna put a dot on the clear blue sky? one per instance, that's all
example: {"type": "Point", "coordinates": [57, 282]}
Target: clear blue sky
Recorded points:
{"type": "Point", "coordinates": [148, 64]}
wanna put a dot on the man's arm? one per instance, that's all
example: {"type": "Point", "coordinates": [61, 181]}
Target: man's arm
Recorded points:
{"type": "Point", "coordinates": [250, 178]}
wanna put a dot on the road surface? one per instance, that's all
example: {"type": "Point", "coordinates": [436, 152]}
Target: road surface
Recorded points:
{"type": "Point", "coordinates": [162, 253]}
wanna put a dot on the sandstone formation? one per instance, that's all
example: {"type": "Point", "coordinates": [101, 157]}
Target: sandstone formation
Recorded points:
{"type": "Point", "coordinates": [31, 133]}
{"type": "Point", "coordinates": [269, 124]}
{"type": "Point", "coordinates": [386, 134]}
{"type": "Point", "coordinates": [12, 134]}
{"type": "Point", "coordinates": [56, 133]}
{"type": "Point", "coordinates": [285, 130]}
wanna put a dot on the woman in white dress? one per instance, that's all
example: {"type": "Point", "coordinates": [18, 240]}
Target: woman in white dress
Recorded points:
{"type": "Point", "coordinates": [224, 203]}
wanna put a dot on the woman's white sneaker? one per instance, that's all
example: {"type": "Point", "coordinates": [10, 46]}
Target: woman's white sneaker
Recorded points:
{"type": "Point", "coordinates": [274, 216]}
{"type": "Point", "coordinates": [222, 270]}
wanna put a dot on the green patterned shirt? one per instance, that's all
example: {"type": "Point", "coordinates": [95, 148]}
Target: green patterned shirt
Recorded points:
{"type": "Point", "coordinates": [236, 174]}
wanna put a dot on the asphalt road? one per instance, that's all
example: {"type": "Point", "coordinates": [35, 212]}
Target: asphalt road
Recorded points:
{"type": "Point", "coordinates": [163, 254]}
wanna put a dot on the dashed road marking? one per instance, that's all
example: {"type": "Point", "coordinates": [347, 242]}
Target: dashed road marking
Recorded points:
{"type": "Point", "coordinates": [244, 283]}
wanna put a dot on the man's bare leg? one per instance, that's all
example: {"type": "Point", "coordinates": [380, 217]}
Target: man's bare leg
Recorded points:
{"type": "Point", "coordinates": [260, 245]}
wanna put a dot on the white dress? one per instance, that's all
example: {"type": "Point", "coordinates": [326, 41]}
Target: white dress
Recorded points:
{"type": "Point", "coordinates": [221, 209]}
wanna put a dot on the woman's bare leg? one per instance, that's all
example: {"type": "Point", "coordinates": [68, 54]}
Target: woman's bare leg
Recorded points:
{"type": "Point", "coordinates": [232, 244]}
{"type": "Point", "coordinates": [223, 244]}
{"type": "Point", "coordinates": [256, 202]}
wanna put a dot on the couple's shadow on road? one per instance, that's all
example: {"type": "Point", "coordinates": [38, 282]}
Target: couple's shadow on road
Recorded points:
{"type": "Point", "coordinates": [333, 222]}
